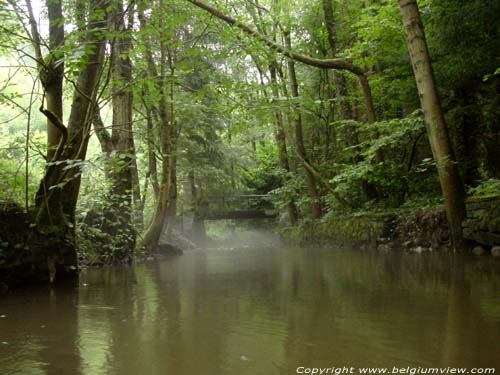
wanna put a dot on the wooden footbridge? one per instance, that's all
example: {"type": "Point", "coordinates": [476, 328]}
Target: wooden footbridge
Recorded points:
{"type": "Point", "coordinates": [236, 207]}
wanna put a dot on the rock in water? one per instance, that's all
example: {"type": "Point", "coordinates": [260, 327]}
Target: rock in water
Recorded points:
{"type": "Point", "coordinates": [478, 250]}
{"type": "Point", "coordinates": [495, 251]}
{"type": "Point", "coordinates": [168, 249]}
{"type": "Point", "coordinates": [384, 247]}
{"type": "Point", "coordinates": [418, 250]}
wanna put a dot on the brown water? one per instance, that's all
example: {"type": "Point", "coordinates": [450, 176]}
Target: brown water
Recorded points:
{"type": "Point", "coordinates": [259, 311]}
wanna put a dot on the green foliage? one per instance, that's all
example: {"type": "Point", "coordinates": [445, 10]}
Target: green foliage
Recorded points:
{"type": "Point", "coordinates": [102, 234]}
{"type": "Point", "coordinates": [13, 168]}
{"type": "Point", "coordinates": [464, 37]}
{"type": "Point", "coordinates": [291, 190]}
{"type": "Point", "coordinates": [263, 176]}
{"type": "Point", "coordinates": [382, 161]}
{"type": "Point", "coordinates": [488, 188]}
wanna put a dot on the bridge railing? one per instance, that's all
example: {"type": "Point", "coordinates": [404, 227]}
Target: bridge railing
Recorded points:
{"type": "Point", "coordinates": [246, 202]}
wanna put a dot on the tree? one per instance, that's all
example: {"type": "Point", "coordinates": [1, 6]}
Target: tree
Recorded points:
{"type": "Point", "coordinates": [299, 138]}
{"type": "Point", "coordinates": [51, 238]}
{"type": "Point", "coordinates": [281, 140]}
{"type": "Point", "coordinates": [50, 69]}
{"type": "Point", "coordinates": [437, 131]}
{"type": "Point", "coordinates": [158, 74]}
{"type": "Point", "coordinates": [119, 145]}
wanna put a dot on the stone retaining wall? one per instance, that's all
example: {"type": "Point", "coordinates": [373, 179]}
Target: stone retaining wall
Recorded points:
{"type": "Point", "coordinates": [422, 229]}
{"type": "Point", "coordinates": [482, 224]}
{"type": "Point", "coordinates": [361, 231]}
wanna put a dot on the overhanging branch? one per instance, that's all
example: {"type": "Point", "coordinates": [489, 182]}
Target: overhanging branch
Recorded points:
{"type": "Point", "coordinates": [338, 64]}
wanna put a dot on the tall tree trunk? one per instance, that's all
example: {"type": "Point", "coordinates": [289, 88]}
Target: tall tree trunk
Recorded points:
{"type": "Point", "coordinates": [152, 165]}
{"type": "Point", "coordinates": [281, 141]}
{"type": "Point", "coordinates": [371, 117]}
{"type": "Point", "coordinates": [339, 79]}
{"type": "Point", "coordinates": [174, 134]}
{"type": "Point", "coordinates": [299, 139]}
{"type": "Point", "coordinates": [51, 71]}
{"type": "Point", "coordinates": [437, 131]}
{"type": "Point", "coordinates": [172, 201]}
{"type": "Point", "coordinates": [54, 85]}
{"type": "Point", "coordinates": [198, 231]}
{"type": "Point", "coordinates": [138, 207]}
{"type": "Point", "coordinates": [153, 233]}
{"type": "Point", "coordinates": [369, 189]}
{"type": "Point", "coordinates": [119, 150]}
{"type": "Point", "coordinates": [121, 200]}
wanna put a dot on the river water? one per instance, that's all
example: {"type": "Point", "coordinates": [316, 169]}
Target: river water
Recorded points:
{"type": "Point", "coordinates": [259, 311]}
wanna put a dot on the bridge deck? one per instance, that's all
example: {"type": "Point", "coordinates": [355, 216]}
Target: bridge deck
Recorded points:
{"type": "Point", "coordinates": [236, 207]}
{"type": "Point", "coordinates": [239, 214]}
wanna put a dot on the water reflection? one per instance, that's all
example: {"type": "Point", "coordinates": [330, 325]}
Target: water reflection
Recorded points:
{"type": "Point", "coordinates": [259, 311]}
{"type": "Point", "coordinates": [31, 325]}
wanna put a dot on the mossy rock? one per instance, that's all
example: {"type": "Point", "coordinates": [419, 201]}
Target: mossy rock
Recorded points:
{"type": "Point", "coordinates": [169, 249]}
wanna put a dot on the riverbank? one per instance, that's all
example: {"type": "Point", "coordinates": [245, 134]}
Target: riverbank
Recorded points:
{"type": "Point", "coordinates": [418, 231]}
{"type": "Point", "coordinates": [423, 230]}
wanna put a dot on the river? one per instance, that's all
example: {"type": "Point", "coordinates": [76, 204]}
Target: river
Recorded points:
{"type": "Point", "coordinates": [260, 311]}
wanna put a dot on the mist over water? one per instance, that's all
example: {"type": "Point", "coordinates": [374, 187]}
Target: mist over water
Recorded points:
{"type": "Point", "coordinates": [230, 234]}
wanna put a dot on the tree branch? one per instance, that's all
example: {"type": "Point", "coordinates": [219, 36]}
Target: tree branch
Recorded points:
{"type": "Point", "coordinates": [338, 64]}
{"type": "Point", "coordinates": [35, 36]}
{"type": "Point", "coordinates": [102, 133]}
{"type": "Point", "coordinates": [60, 126]}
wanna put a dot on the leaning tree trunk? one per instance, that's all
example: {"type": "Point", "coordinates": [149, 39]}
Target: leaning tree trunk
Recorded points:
{"type": "Point", "coordinates": [437, 131]}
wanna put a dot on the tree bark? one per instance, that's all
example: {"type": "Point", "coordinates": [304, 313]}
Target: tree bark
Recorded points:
{"type": "Point", "coordinates": [122, 140]}
{"type": "Point", "coordinates": [152, 165]}
{"type": "Point", "coordinates": [299, 139]}
{"type": "Point", "coordinates": [437, 131]}
{"type": "Point", "coordinates": [339, 79]}
{"type": "Point", "coordinates": [119, 149]}
{"type": "Point", "coordinates": [153, 233]}
{"type": "Point", "coordinates": [51, 69]}
{"type": "Point", "coordinates": [173, 134]}
{"type": "Point", "coordinates": [281, 141]}
{"type": "Point", "coordinates": [371, 117]}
